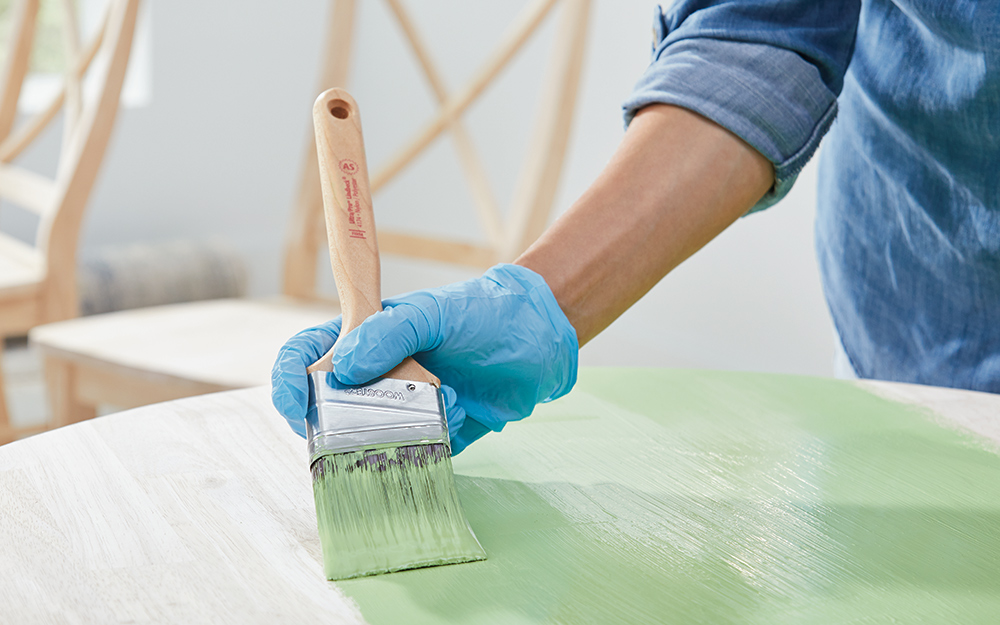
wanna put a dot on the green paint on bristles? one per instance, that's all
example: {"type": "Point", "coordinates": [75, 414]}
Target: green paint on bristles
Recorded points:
{"type": "Point", "coordinates": [391, 509]}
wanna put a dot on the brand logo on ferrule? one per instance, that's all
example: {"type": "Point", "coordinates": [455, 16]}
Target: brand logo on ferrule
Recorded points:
{"type": "Point", "coordinates": [375, 392]}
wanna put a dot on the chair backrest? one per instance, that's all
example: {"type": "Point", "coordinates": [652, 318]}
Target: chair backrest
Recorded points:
{"type": "Point", "coordinates": [538, 180]}
{"type": "Point", "coordinates": [88, 116]}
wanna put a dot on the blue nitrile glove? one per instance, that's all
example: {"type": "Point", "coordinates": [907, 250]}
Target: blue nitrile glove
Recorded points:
{"type": "Point", "coordinates": [289, 380]}
{"type": "Point", "coordinates": [499, 343]}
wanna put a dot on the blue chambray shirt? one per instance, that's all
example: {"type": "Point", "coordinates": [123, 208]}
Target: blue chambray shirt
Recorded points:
{"type": "Point", "coordinates": [908, 215]}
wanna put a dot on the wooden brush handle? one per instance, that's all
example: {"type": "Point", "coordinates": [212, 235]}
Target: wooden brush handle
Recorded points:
{"type": "Point", "coordinates": [350, 222]}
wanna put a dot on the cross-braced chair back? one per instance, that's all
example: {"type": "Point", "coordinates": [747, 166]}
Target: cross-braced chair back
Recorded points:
{"type": "Point", "coordinates": [535, 191]}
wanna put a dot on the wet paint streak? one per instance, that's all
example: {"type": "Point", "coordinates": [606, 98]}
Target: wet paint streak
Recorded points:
{"type": "Point", "coordinates": [658, 496]}
{"type": "Point", "coordinates": [390, 509]}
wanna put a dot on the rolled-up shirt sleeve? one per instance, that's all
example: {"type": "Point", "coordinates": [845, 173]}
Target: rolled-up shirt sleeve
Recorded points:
{"type": "Point", "coordinates": [769, 71]}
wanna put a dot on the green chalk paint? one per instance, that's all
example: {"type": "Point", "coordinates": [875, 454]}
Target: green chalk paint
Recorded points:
{"type": "Point", "coordinates": [658, 496]}
{"type": "Point", "coordinates": [387, 510]}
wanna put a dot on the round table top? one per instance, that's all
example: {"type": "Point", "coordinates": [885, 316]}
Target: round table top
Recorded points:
{"type": "Point", "coordinates": [644, 496]}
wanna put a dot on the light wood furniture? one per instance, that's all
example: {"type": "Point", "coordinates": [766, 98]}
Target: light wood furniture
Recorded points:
{"type": "Point", "coordinates": [530, 208]}
{"type": "Point", "coordinates": [742, 498]}
{"type": "Point", "coordinates": [118, 359]}
{"type": "Point", "coordinates": [38, 282]}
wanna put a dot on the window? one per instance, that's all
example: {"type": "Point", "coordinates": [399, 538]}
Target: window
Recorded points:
{"type": "Point", "coordinates": [48, 56]}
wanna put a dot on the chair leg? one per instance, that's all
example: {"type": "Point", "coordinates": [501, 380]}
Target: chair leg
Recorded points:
{"type": "Point", "coordinates": [6, 432]}
{"type": "Point", "coordinates": [60, 377]}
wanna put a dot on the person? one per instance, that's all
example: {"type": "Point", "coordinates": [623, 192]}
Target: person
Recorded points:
{"type": "Point", "coordinates": [735, 102]}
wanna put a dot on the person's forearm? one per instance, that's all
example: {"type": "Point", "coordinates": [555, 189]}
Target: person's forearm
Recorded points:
{"type": "Point", "coordinates": [676, 181]}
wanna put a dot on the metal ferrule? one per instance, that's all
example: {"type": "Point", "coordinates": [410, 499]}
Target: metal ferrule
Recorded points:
{"type": "Point", "coordinates": [384, 413]}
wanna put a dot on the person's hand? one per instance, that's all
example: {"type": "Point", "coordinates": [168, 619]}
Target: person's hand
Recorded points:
{"type": "Point", "coordinates": [499, 343]}
{"type": "Point", "coordinates": [289, 380]}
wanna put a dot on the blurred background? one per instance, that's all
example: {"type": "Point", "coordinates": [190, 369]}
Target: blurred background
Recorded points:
{"type": "Point", "coordinates": [215, 121]}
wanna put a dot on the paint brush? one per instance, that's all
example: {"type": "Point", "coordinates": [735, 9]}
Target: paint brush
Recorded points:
{"type": "Point", "coordinates": [379, 453]}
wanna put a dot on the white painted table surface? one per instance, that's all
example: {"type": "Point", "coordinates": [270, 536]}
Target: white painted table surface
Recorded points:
{"type": "Point", "coordinates": [200, 510]}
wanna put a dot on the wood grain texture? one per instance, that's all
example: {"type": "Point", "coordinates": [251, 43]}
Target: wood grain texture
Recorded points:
{"type": "Point", "coordinates": [206, 517]}
{"type": "Point", "coordinates": [743, 498]}
{"type": "Point", "coordinates": [972, 411]}
{"type": "Point", "coordinates": [350, 222]}
{"type": "Point", "coordinates": [347, 206]}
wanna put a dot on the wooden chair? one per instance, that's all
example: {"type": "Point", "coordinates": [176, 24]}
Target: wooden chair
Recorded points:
{"type": "Point", "coordinates": [38, 282]}
{"type": "Point", "coordinates": [132, 358]}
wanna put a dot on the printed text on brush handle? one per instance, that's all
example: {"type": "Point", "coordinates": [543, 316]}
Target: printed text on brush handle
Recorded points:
{"type": "Point", "coordinates": [350, 221]}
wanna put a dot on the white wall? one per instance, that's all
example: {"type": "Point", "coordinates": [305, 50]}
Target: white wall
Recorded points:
{"type": "Point", "coordinates": [217, 151]}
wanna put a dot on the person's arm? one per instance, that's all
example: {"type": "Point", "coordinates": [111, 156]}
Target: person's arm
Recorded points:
{"type": "Point", "coordinates": [675, 182]}
{"type": "Point", "coordinates": [502, 343]}
{"type": "Point", "coordinates": [766, 70]}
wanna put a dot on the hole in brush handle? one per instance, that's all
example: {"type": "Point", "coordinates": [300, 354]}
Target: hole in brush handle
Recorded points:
{"type": "Point", "coordinates": [339, 109]}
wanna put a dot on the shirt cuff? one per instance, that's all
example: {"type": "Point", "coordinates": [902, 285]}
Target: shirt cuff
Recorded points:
{"type": "Point", "coordinates": [768, 96]}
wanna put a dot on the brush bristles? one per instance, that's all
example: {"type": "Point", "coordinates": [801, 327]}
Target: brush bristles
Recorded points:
{"type": "Point", "coordinates": [388, 510]}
